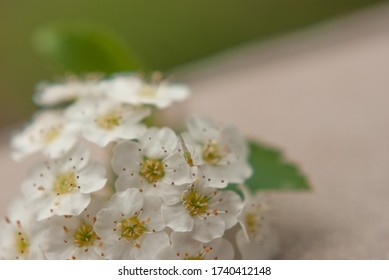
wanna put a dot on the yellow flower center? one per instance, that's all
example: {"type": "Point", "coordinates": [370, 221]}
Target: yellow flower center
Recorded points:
{"type": "Point", "coordinates": [152, 170]}
{"type": "Point", "coordinates": [252, 223]}
{"type": "Point", "coordinates": [212, 153]}
{"type": "Point", "coordinates": [132, 228]}
{"type": "Point", "coordinates": [147, 91]}
{"type": "Point", "coordinates": [84, 236]}
{"type": "Point", "coordinates": [65, 183]}
{"type": "Point", "coordinates": [195, 202]}
{"type": "Point", "coordinates": [22, 243]}
{"type": "Point", "coordinates": [50, 134]}
{"type": "Point", "coordinates": [109, 120]}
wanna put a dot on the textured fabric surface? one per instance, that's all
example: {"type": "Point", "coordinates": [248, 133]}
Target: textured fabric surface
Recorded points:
{"type": "Point", "coordinates": [323, 98]}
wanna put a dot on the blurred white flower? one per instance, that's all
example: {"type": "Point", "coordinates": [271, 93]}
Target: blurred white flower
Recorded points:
{"type": "Point", "coordinates": [204, 211]}
{"type": "Point", "coordinates": [151, 162]}
{"type": "Point", "coordinates": [105, 120]}
{"type": "Point", "coordinates": [72, 88]}
{"type": "Point", "coordinates": [257, 239]}
{"type": "Point", "coordinates": [131, 226]}
{"type": "Point", "coordinates": [219, 152]}
{"type": "Point", "coordinates": [21, 236]}
{"type": "Point", "coordinates": [134, 90]}
{"type": "Point", "coordinates": [63, 186]}
{"type": "Point", "coordinates": [170, 199]}
{"type": "Point", "coordinates": [73, 237]}
{"type": "Point", "coordinates": [49, 132]}
{"type": "Point", "coordinates": [184, 247]}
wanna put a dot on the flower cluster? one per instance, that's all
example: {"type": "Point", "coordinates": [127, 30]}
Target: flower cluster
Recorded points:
{"type": "Point", "coordinates": [161, 195]}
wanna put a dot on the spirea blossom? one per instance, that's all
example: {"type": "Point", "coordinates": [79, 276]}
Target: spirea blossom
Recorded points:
{"type": "Point", "coordinates": [132, 89]}
{"type": "Point", "coordinates": [69, 89]}
{"type": "Point", "coordinates": [257, 238]}
{"type": "Point", "coordinates": [104, 121]}
{"type": "Point", "coordinates": [157, 193]}
{"type": "Point", "coordinates": [131, 226]}
{"type": "Point", "coordinates": [74, 237]}
{"type": "Point", "coordinates": [21, 235]}
{"type": "Point", "coordinates": [48, 132]}
{"type": "Point", "coordinates": [203, 211]}
{"type": "Point", "coordinates": [63, 186]}
{"type": "Point", "coordinates": [151, 162]}
{"type": "Point", "coordinates": [220, 151]}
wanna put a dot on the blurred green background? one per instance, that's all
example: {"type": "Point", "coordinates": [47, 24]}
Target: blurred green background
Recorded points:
{"type": "Point", "coordinates": [40, 38]}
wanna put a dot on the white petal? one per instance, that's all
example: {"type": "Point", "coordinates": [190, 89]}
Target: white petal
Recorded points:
{"type": "Point", "coordinates": [217, 176]}
{"type": "Point", "coordinates": [177, 171]}
{"type": "Point", "coordinates": [171, 194]}
{"type": "Point", "coordinates": [166, 253]}
{"type": "Point", "coordinates": [174, 92]}
{"type": "Point", "coordinates": [152, 211]}
{"type": "Point", "coordinates": [105, 223]}
{"type": "Point", "coordinates": [232, 204]}
{"type": "Point", "coordinates": [126, 157]}
{"type": "Point", "coordinates": [158, 143]}
{"type": "Point", "coordinates": [150, 244]}
{"type": "Point", "coordinates": [61, 145]}
{"type": "Point", "coordinates": [264, 248]}
{"type": "Point", "coordinates": [72, 203]}
{"type": "Point", "coordinates": [203, 129]}
{"type": "Point", "coordinates": [127, 202]}
{"type": "Point", "coordinates": [125, 181]}
{"type": "Point", "coordinates": [125, 88]}
{"type": "Point", "coordinates": [118, 249]}
{"type": "Point", "coordinates": [222, 250]}
{"type": "Point", "coordinates": [92, 178]}
{"type": "Point", "coordinates": [177, 218]}
{"type": "Point", "coordinates": [207, 229]}
{"type": "Point", "coordinates": [76, 159]}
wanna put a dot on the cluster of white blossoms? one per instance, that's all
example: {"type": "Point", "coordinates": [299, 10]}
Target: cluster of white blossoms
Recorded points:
{"type": "Point", "coordinates": [161, 195]}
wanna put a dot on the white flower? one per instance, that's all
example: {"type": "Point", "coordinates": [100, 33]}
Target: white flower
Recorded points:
{"type": "Point", "coordinates": [63, 186]}
{"type": "Point", "coordinates": [219, 152]}
{"type": "Point", "coordinates": [73, 237]}
{"type": "Point", "coordinates": [131, 227]}
{"type": "Point", "coordinates": [257, 239]}
{"type": "Point", "coordinates": [184, 247]}
{"type": "Point", "coordinates": [104, 120]}
{"type": "Point", "coordinates": [151, 162]}
{"type": "Point", "coordinates": [132, 89]}
{"type": "Point", "coordinates": [21, 236]}
{"type": "Point", "coordinates": [48, 131]}
{"type": "Point", "coordinates": [204, 211]}
{"type": "Point", "coordinates": [70, 89]}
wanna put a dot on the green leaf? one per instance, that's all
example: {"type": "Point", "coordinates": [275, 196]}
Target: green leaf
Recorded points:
{"type": "Point", "coordinates": [272, 171]}
{"type": "Point", "coordinates": [85, 48]}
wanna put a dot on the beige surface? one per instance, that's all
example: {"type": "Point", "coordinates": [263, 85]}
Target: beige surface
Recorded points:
{"type": "Point", "coordinates": [323, 97]}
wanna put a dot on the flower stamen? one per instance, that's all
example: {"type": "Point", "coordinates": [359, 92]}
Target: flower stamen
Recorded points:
{"type": "Point", "coordinates": [22, 243]}
{"type": "Point", "coordinates": [109, 120]}
{"type": "Point", "coordinates": [195, 202]}
{"type": "Point", "coordinates": [212, 153]}
{"type": "Point", "coordinates": [152, 170]}
{"type": "Point", "coordinates": [147, 91]}
{"type": "Point", "coordinates": [50, 134]}
{"type": "Point", "coordinates": [84, 236]}
{"type": "Point", "coordinates": [200, 255]}
{"type": "Point", "coordinates": [65, 183]}
{"type": "Point", "coordinates": [252, 223]}
{"type": "Point", "coordinates": [132, 228]}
